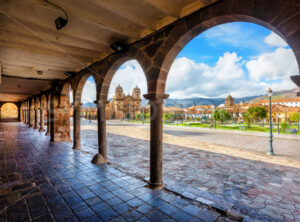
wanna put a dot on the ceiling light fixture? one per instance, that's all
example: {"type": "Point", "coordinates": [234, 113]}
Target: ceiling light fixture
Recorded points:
{"type": "Point", "coordinates": [119, 46]}
{"type": "Point", "coordinates": [40, 72]}
{"type": "Point", "coordinates": [60, 22]}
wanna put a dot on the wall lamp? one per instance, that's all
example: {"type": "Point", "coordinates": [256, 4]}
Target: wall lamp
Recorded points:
{"type": "Point", "coordinates": [119, 46]}
{"type": "Point", "coordinates": [60, 22]}
{"type": "Point", "coordinates": [70, 74]}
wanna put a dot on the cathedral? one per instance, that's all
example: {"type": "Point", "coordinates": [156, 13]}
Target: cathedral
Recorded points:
{"type": "Point", "coordinates": [124, 106]}
{"type": "Point", "coordinates": [229, 101]}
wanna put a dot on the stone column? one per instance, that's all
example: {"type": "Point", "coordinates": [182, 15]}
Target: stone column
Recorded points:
{"type": "Point", "coordinates": [48, 123]}
{"type": "Point", "coordinates": [42, 119]}
{"type": "Point", "coordinates": [26, 114]}
{"type": "Point", "coordinates": [30, 117]}
{"type": "Point", "coordinates": [51, 119]}
{"type": "Point", "coordinates": [296, 80]}
{"type": "Point", "coordinates": [76, 126]}
{"type": "Point", "coordinates": [101, 157]}
{"type": "Point", "coordinates": [156, 139]}
{"type": "Point", "coordinates": [36, 113]}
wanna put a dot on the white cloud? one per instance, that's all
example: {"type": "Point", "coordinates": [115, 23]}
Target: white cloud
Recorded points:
{"type": "Point", "coordinates": [88, 92]}
{"type": "Point", "coordinates": [279, 64]}
{"type": "Point", "coordinates": [188, 79]}
{"type": "Point", "coordinates": [275, 40]}
{"type": "Point", "coordinates": [128, 76]}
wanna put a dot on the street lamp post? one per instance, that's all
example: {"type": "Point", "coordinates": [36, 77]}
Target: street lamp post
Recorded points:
{"type": "Point", "coordinates": [271, 152]}
{"type": "Point", "coordinates": [215, 122]}
{"type": "Point", "coordinates": [277, 120]}
{"type": "Point", "coordinates": [298, 120]}
{"type": "Point", "coordinates": [143, 120]}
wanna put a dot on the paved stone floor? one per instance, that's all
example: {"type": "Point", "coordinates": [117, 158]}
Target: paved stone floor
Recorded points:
{"type": "Point", "coordinates": [252, 185]}
{"type": "Point", "coordinates": [43, 181]}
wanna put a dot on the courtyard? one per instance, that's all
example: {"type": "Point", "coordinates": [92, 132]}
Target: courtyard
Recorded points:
{"type": "Point", "coordinates": [196, 165]}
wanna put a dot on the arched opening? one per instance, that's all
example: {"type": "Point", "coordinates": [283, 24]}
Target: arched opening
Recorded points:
{"type": "Point", "coordinates": [85, 112]}
{"type": "Point", "coordinates": [9, 112]}
{"type": "Point", "coordinates": [214, 82]}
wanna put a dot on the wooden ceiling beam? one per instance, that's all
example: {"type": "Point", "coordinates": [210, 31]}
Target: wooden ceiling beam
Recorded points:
{"type": "Point", "coordinates": [165, 7]}
{"type": "Point", "coordinates": [49, 45]}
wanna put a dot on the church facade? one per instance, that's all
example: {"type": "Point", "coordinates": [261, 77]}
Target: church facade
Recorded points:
{"type": "Point", "coordinates": [124, 106]}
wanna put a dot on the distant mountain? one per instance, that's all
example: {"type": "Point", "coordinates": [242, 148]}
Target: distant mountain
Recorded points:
{"type": "Point", "coordinates": [89, 104]}
{"type": "Point", "coordinates": [282, 94]}
{"type": "Point", "coordinates": [184, 103]}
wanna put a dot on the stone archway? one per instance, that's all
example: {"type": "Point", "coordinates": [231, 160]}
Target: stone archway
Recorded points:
{"type": "Point", "coordinates": [9, 112]}
{"type": "Point", "coordinates": [278, 17]}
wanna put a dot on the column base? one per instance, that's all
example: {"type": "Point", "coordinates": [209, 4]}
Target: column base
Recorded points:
{"type": "Point", "coordinates": [47, 133]}
{"type": "Point", "coordinates": [155, 186]}
{"type": "Point", "coordinates": [76, 147]}
{"type": "Point", "coordinates": [36, 127]}
{"type": "Point", "coordinates": [99, 159]}
{"type": "Point", "coordinates": [42, 130]}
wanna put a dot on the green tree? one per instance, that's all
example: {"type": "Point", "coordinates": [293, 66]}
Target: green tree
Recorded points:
{"type": "Point", "coordinates": [224, 115]}
{"type": "Point", "coordinates": [215, 115]}
{"type": "Point", "coordinates": [247, 118]}
{"type": "Point", "coordinates": [221, 115]}
{"type": "Point", "coordinates": [294, 117]}
{"type": "Point", "coordinates": [257, 113]}
{"type": "Point", "coordinates": [147, 116]}
{"type": "Point", "coordinates": [284, 125]}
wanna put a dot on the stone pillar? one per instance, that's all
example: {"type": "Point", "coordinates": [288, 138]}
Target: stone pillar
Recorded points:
{"type": "Point", "coordinates": [48, 123]}
{"type": "Point", "coordinates": [156, 139]}
{"type": "Point", "coordinates": [42, 119]}
{"type": "Point", "coordinates": [31, 117]}
{"type": "Point", "coordinates": [76, 126]}
{"type": "Point", "coordinates": [26, 114]}
{"type": "Point", "coordinates": [36, 113]}
{"type": "Point", "coordinates": [101, 157]}
{"type": "Point", "coordinates": [52, 119]}
{"type": "Point", "coordinates": [296, 80]}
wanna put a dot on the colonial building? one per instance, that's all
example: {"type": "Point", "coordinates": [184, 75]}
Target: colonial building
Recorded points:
{"type": "Point", "coordinates": [124, 106]}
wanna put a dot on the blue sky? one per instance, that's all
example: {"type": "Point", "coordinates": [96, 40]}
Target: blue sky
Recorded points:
{"type": "Point", "coordinates": [246, 39]}
{"type": "Point", "coordinates": [243, 59]}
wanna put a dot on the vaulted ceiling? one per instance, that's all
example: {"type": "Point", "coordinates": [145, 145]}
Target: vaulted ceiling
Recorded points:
{"type": "Point", "coordinates": [30, 42]}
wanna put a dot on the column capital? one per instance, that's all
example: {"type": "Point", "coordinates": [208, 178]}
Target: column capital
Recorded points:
{"type": "Point", "coordinates": [101, 103]}
{"type": "Point", "coordinates": [154, 96]}
{"type": "Point", "coordinates": [77, 105]}
{"type": "Point", "coordinates": [296, 80]}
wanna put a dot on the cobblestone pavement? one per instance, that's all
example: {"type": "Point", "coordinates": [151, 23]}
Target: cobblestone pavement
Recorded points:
{"type": "Point", "coordinates": [252, 184]}
{"type": "Point", "coordinates": [43, 181]}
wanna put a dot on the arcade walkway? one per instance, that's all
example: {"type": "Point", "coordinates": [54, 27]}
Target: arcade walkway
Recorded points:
{"type": "Point", "coordinates": [43, 181]}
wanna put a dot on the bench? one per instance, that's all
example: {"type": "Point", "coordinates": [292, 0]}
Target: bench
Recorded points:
{"type": "Point", "coordinates": [243, 127]}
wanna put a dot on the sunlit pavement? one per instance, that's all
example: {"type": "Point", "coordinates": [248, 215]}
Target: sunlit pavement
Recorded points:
{"type": "Point", "coordinates": [242, 177]}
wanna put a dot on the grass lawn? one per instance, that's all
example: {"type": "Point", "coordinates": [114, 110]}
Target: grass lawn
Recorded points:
{"type": "Point", "coordinates": [241, 127]}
